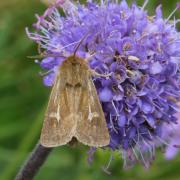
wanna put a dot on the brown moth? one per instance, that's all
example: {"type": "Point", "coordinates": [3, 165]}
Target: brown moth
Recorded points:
{"type": "Point", "coordinates": [74, 110]}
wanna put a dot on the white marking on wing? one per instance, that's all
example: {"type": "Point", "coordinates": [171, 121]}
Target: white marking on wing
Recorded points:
{"type": "Point", "coordinates": [56, 114]}
{"type": "Point", "coordinates": [91, 115]}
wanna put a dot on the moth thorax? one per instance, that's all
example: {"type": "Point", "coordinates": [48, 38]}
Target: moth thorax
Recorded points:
{"type": "Point", "coordinates": [74, 74]}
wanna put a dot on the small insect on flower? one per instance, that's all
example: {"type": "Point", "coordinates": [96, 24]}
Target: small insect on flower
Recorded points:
{"type": "Point", "coordinates": [74, 110]}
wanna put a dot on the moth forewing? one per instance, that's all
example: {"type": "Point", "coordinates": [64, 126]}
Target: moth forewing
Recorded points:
{"type": "Point", "coordinates": [91, 127]}
{"type": "Point", "coordinates": [74, 109]}
{"type": "Point", "coordinates": [58, 127]}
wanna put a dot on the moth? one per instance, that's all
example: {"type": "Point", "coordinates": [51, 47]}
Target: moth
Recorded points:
{"type": "Point", "coordinates": [74, 110]}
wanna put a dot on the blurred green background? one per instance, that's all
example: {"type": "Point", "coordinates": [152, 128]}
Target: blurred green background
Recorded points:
{"type": "Point", "coordinates": [23, 99]}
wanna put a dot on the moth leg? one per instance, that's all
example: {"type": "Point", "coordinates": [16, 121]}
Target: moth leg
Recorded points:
{"type": "Point", "coordinates": [94, 73]}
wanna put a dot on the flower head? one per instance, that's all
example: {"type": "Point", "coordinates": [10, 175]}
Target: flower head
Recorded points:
{"type": "Point", "coordinates": [140, 51]}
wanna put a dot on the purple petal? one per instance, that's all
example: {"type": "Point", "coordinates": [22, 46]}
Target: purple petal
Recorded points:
{"type": "Point", "coordinates": [156, 68]}
{"type": "Point", "coordinates": [151, 121]}
{"type": "Point", "coordinates": [122, 119]}
{"type": "Point", "coordinates": [49, 79]}
{"type": "Point", "coordinates": [105, 95]}
{"type": "Point", "coordinates": [159, 12]}
{"type": "Point", "coordinates": [147, 107]}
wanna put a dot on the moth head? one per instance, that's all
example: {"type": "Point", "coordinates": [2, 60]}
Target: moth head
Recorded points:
{"type": "Point", "coordinates": [75, 60]}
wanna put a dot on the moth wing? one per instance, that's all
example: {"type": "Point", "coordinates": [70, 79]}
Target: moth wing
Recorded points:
{"type": "Point", "coordinates": [58, 123]}
{"type": "Point", "coordinates": [91, 124]}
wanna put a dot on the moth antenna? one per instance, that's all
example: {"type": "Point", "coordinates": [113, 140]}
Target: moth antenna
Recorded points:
{"type": "Point", "coordinates": [81, 41]}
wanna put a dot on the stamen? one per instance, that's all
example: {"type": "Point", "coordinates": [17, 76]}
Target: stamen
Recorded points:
{"type": "Point", "coordinates": [45, 73]}
{"type": "Point", "coordinates": [112, 124]}
{"type": "Point", "coordinates": [145, 4]}
{"type": "Point", "coordinates": [160, 109]}
{"type": "Point", "coordinates": [135, 154]}
{"type": "Point", "coordinates": [163, 141]}
{"type": "Point", "coordinates": [129, 72]}
{"type": "Point", "coordinates": [150, 134]}
{"type": "Point", "coordinates": [124, 158]}
{"type": "Point", "coordinates": [68, 7]}
{"type": "Point", "coordinates": [177, 8]}
{"type": "Point", "coordinates": [58, 48]}
{"type": "Point", "coordinates": [133, 58]}
{"type": "Point", "coordinates": [115, 108]}
{"type": "Point", "coordinates": [106, 168]}
{"type": "Point", "coordinates": [177, 21]}
{"type": "Point", "coordinates": [150, 148]}
{"type": "Point", "coordinates": [142, 157]}
{"type": "Point", "coordinates": [124, 132]}
{"type": "Point", "coordinates": [138, 134]}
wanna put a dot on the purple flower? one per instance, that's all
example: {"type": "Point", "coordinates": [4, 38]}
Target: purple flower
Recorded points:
{"type": "Point", "coordinates": [142, 54]}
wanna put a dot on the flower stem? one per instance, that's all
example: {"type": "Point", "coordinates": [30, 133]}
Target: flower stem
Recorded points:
{"type": "Point", "coordinates": [33, 163]}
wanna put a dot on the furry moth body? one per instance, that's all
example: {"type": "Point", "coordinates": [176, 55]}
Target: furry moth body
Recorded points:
{"type": "Point", "coordinates": [74, 110]}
